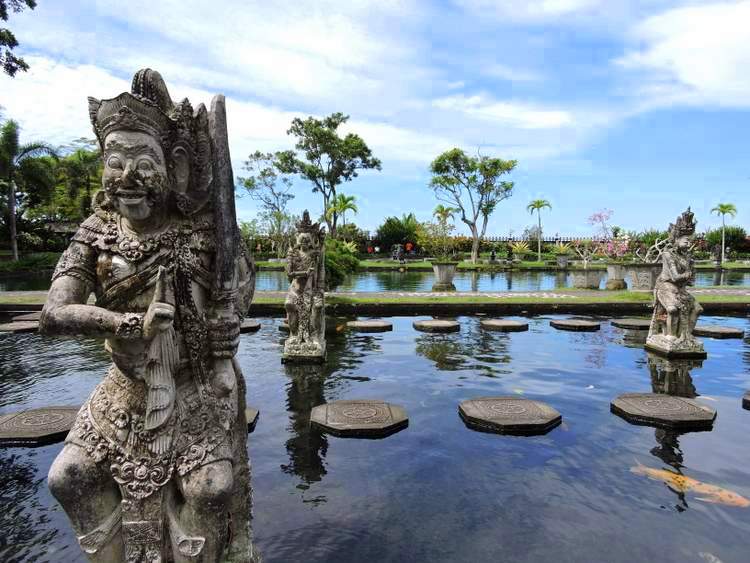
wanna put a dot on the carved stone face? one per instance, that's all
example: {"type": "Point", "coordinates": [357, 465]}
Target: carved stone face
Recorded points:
{"type": "Point", "coordinates": [135, 174]}
{"type": "Point", "coordinates": [683, 242]}
{"type": "Point", "coordinates": [304, 240]}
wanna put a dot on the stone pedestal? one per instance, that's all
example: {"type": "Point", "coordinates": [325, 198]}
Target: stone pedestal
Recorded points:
{"type": "Point", "coordinates": [616, 277]}
{"type": "Point", "coordinates": [643, 276]}
{"type": "Point", "coordinates": [444, 272]}
{"type": "Point", "coordinates": [587, 279]}
{"type": "Point", "coordinates": [672, 347]}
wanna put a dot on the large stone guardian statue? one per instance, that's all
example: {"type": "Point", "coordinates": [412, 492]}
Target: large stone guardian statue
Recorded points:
{"type": "Point", "coordinates": [155, 468]}
{"type": "Point", "coordinates": [305, 307]}
{"type": "Point", "coordinates": [675, 310]}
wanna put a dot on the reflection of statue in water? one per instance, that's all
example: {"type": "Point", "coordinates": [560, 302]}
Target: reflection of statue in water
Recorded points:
{"type": "Point", "coordinates": [155, 467]}
{"type": "Point", "coordinates": [305, 300]}
{"type": "Point", "coordinates": [675, 309]}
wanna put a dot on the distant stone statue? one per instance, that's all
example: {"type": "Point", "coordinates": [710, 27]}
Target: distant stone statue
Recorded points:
{"type": "Point", "coordinates": [675, 310]}
{"type": "Point", "coordinates": [155, 468]}
{"type": "Point", "coordinates": [305, 306]}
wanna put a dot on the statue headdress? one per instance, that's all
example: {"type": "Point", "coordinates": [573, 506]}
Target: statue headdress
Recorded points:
{"type": "Point", "coordinates": [305, 225]}
{"type": "Point", "coordinates": [148, 108]}
{"type": "Point", "coordinates": [684, 226]}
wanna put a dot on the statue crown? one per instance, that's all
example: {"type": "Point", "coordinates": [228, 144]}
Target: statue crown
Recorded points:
{"type": "Point", "coordinates": [683, 226]}
{"type": "Point", "coordinates": [305, 225]}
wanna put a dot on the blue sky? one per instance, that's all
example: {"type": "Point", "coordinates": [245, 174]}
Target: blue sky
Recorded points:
{"type": "Point", "coordinates": [642, 107]}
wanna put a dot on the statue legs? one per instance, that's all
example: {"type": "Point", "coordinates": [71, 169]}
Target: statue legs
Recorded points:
{"type": "Point", "coordinates": [292, 319]}
{"type": "Point", "coordinates": [207, 492]}
{"type": "Point", "coordinates": [91, 499]}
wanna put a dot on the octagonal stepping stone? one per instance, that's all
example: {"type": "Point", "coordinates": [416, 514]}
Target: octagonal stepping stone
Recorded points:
{"type": "Point", "coordinates": [503, 325]}
{"type": "Point", "coordinates": [251, 415]}
{"type": "Point", "coordinates": [577, 325]}
{"type": "Point", "coordinates": [35, 316]}
{"type": "Point", "coordinates": [359, 418]}
{"type": "Point", "coordinates": [437, 325]}
{"type": "Point", "coordinates": [249, 325]}
{"type": "Point", "coordinates": [632, 324]}
{"type": "Point", "coordinates": [663, 411]}
{"type": "Point", "coordinates": [19, 327]}
{"type": "Point", "coordinates": [36, 427]}
{"type": "Point", "coordinates": [716, 331]}
{"type": "Point", "coordinates": [372, 325]}
{"type": "Point", "coordinates": [509, 415]}
{"type": "Point", "coordinates": [746, 401]}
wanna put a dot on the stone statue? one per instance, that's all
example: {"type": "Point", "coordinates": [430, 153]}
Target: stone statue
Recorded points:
{"type": "Point", "coordinates": [675, 309]}
{"type": "Point", "coordinates": [305, 306]}
{"type": "Point", "coordinates": [155, 468]}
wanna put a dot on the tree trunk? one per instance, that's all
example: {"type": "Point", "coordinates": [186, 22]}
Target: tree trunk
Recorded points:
{"type": "Point", "coordinates": [539, 237]}
{"type": "Point", "coordinates": [12, 219]}
{"type": "Point", "coordinates": [474, 245]}
{"type": "Point", "coordinates": [723, 244]}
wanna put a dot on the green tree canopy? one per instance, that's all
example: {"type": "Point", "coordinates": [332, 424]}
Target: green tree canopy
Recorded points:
{"type": "Point", "coordinates": [537, 205]}
{"type": "Point", "coordinates": [724, 209]}
{"type": "Point", "coordinates": [8, 61]}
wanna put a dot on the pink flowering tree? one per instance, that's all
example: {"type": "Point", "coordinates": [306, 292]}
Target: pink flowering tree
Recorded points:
{"type": "Point", "coordinates": [611, 241]}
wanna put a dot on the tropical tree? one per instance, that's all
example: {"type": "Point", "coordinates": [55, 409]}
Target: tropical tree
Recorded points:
{"type": "Point", "coordinates": [395, 230]}
{"type": "Point", "coordinates": [443, 213]}
{"type": "Point", "coordinates": [22, 166]}
{"type": "Point", "coordinates": [80, 172]}
{"type": "Point", "coordinates": [327, 158]}
{"type": "Point", "coordinates": [724, 209]}
{"type": "Point", "coordinates": [537, 205]}
{"type": "Point", "coordinates": [473, 186]}
{"type": "Point", "coordinates": [341, 204]}
{"type": "Point", "coordinates": [8, 61]}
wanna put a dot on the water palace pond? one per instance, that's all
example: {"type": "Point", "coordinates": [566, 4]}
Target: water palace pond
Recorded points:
{"type": "Point", "coordinates": [437, 490]}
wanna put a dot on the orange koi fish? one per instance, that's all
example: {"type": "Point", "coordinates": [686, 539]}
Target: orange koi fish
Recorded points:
{"type": "Point", "coordinates": [683, 484]}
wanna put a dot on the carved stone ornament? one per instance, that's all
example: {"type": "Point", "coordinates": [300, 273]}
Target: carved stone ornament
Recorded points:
{"type": "Point", "coordinates": [305, 301]}
{"type": "Point", "coordinates": [155, 467]}
{"type": "Point", "coordinates": [675, 310]}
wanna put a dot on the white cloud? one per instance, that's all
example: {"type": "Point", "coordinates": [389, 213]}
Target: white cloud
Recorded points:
{"type": "Point", "coordinates": [514, 114]}
{"type": "Point", "coordinates": [694, 55]}
{"type": "Point", "coordinates": [505, 72]}
{"type": "Point", "coordinates": [526, 10]}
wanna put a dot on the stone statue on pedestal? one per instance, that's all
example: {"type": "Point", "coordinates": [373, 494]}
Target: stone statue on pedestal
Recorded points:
{"type": "Point", "coordinates": [155, 468]}
{"type": "Point", "coordinates": [675, 309]}
{"type": "Point", "coordinates": [305, 306]}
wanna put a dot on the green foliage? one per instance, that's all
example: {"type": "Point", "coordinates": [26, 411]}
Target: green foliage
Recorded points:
{"type": "Point", "coordinates": [649, 237]}
{"type": "Point", "coordinates": [435, 239]}
{"type": "Point", "coordinates": [562, 248]}
{"type": "Point", "coordinates": [267, 184]}
{"type": "Point", "coordinates": [520, 247]}
{"type": "Point", "coordinates": [8, 61]}
{"type": "Point", "coordinates": [327, 158]}
{"type": "Point", "coordinates": [397, 231]}
{"type": "Point", "coordinates": [736, 238]}
{"type": "Point", "coordinates": [31, 263]}
{"type": "Point", "coordinates": [350, 232]}
{"type": "Point", "coordinates": [339, 262]}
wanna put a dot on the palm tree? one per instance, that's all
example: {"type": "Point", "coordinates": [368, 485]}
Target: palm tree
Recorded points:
{"type": "Point", "coordinates": [537, 205]}
{"type": "Point", "coordinates": [443, 213]}
{"type": "Point", "coordinates": [19, 164]}
{"type": "Point", "coordinates": [724, 209]}
{"type": "Point", "coordinates": [80, 173]}
{"type": "Point", "coordinates": [344, 203]}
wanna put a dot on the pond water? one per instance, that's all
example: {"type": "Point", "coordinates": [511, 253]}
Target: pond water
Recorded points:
{"type": "Point", "coordinates": [437, 491]}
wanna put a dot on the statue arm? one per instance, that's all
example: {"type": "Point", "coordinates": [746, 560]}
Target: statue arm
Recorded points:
{"type": "Point", "coordinates": [670, 266]}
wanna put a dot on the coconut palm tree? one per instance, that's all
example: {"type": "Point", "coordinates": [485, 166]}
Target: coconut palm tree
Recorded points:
{"type": "Point", "coordinates": [19, 165]}
{"type": "Point", "coordinates": [344, 203]}
{"type": "Point", "coordinates": [537, 205]}
{"type": "Point", "coordinates": [724, 209]}
{"type": "Point", "coordinates": [443, 213]}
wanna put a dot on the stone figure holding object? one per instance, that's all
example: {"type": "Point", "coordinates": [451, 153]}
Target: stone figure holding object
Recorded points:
{"type": "Point", "coordinates": [155, 468]}
{"type": "Point", "coordinates": [304, 304]}
{"type": "Point", "coordinates": [675, 310]}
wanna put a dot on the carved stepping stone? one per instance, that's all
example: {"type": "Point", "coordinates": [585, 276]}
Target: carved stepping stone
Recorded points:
{"type": "Point", "coordinates": [372, 325]}
{"type": "Point", "coordinates": [746, 401]}
{"type": "Point", "coordinates": [502, 325]}
{"type": "Point", "coordinates": [19, 327]}
{"type": "Point", "coordinates": [716, 331]}
{"type": "Point", "coordinates": [632, 324]}
{"type": "Point", "coordinates": [509, 415]}
{"type": "Point", "coordinates": [249, 325]}
{"type": "Point", "coordinates": [36, 427]}
{"type": "Point", "coordinates": [577, 325]}
{"type": "Point", "coordinates": [359, 418]}
{"type": "Point", "coordinates": [251, 415]}
{"type": "Point", "coordinates": [663, 411]}
{"type": "Point", "coordinates": [35, 316]}
{"type": "Point", "coordinates": [435, 325]}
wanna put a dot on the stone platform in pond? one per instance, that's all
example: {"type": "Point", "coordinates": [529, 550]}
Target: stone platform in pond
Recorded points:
{"type": "Point", "coordinates": [372, 325]}
{"type": "Point", "coordinates": [663, 411]}
{"type": "Point", "coordinates": [577, 325]}
{"type": "Point", "coordinates": [251, 415]}
{"type": "Point", "coordinates": [669, 347]}
{"type": "Point", "coordinates": [716, 331]}
{"type": "Point", "coordinates": [35, 316]}
{"type": "Point", "coordinates": [632, 324]}
{"type": "Point", "coordinates": [359, 418]}
{"type": "Point", "coordinates": [435, 325]}
{"type": "Point", "coordinates": [36, 427]}
{"type": "Point", "coordinates": [20, 326]}
{"type": "Point", "coordinates": [509, 415]}
{"type": "Point", "coordinates": [249, 325]}
{"type": "Point", "coordinates": [746, 400]}
{"type": "Point", "coordinates": [503, 325]}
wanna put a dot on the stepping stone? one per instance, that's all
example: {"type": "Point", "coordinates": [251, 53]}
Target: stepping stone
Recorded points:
{"type": "Point", "coordinates": [36, 427]}
{"type": "Point", "coordinates": [509, 415]}
{"type": "Point", "coordinates": [663, 411]}
{"type": "Point", "coordinates": [35, 316]}
{"type": "Point", "coordinates": [373, 325]}
{"type": "Point", "coordinates": [331, 327]}
{"type": "Point", "coordinates": [746, 401]}
{"type": "Point", "coordinates": [436, 325]}
{"type": "Point", "coordinates": [632, 324]}
{"type": "Point", "coordinates": [716, 331]}
{"type": "Point", "coordinates": [577, 325]}
{"type": "Point", "coordinates": [249, 325]}
{"type": "Point", "coordinates": [359, 418]}
{"type": "Point", "coordinates": [251, 415]}
{"type": "Point", "coordinates": [19, 327]}
{"type": "Point", "coordinates": [502, 325]}
{"type": "Point", "coordinates": [284, 327]}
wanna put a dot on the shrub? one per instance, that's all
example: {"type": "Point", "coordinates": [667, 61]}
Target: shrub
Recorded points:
{"type": "Point", "coordinates": [397, 231]}
{"type": "Point", "coordinates": [736, 238]}
{"type": "Point", "coordinates": [339, 262]}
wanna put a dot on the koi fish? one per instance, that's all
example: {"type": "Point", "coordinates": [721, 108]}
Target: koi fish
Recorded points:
{"type": "Point", "coordinates": [683, 484]}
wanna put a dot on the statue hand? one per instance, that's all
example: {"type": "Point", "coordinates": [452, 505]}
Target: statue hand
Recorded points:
{"type": "Point", "coordinates": [160, 314]}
